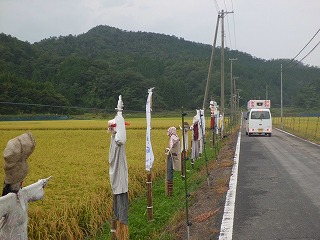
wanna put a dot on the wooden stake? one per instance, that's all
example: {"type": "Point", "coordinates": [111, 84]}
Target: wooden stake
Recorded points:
{"type": "Point", "coordinates": [113, 229]}
{"type": "Point", "coordinates": [167, 177]}
{"type": "Point", "coordinates": [183, 157]}
{"type": "Point", "coordinates": [149, 196]}
{"type": "Point", "coordinates": [122, 231]}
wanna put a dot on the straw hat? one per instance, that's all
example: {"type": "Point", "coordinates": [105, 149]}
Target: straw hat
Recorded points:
{"type": "Point", "coordinates": [15, 156]}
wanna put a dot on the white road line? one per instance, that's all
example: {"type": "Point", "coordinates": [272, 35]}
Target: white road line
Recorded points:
{"type": "Point", "coordinates": [228, 215]}
{"type": "Point", "coordinates": [298, 137]}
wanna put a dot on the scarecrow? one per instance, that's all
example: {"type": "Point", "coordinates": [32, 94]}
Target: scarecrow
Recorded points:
{"type": "Point", "coordinates": [173, 153]}
{"type": "Point", "coordinates": [202, 129]}
{"type": "Point", "coordinates": [214, 120]}
{"type": "Point", "coordinates": [118, 171]}
{"type": "Point", "coordinates": [195, 127]}
{"type": "Point", "coordinates": [15, 199]}
{"type": "Point", "coordinates": [184, 145]}
{"type": "Point", "coordinates": [185, 131]}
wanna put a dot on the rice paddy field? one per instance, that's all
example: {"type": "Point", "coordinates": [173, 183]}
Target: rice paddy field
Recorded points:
{"type": "Point", "coordinates": [305, 127]}
{"type": "Point", "coordinates": [78, 198]}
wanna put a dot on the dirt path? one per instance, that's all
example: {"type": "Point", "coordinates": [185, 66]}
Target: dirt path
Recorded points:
{"type": "Point", "coordinates": [207, 202]}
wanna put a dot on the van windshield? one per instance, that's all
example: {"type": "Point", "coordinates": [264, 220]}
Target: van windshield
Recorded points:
{"type": "Point", "coordinates": [260, 115]}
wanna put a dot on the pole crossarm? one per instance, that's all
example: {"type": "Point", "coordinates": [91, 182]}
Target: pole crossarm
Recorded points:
{"type": "Point", "coordinates": [222, 13]}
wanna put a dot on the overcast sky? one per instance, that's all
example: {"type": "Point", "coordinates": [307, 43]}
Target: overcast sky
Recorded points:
{"type": "Point", "coordinates": [267, 29]}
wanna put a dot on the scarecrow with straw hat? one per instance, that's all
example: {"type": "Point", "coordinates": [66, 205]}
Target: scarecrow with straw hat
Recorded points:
{"type": "Point", "coordinates": [15, 199]}
{"type": "Point", "coordinates": [173, 162]}
{"type": "Point", "coordinates": [118, 172]}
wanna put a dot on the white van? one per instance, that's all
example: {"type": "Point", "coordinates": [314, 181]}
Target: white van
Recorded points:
{"type": "Point", "coordinates": [258, 121]}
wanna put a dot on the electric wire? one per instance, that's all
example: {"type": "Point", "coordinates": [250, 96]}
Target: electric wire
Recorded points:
{"type": "Point", "coordinates": [61, 106]}
{"type": "Point", "coordinates": [217, 6]}
{"type": "Point", "coordinates": [307, 43]}
{"type": "Point", "coordinates": [286, 66]}
{"type": "Point", "coordinates": [307, 54]}
{"type": "Point", "coordinates": [234, 27]}
{"type": "Point", "coordinates": [225, 5]}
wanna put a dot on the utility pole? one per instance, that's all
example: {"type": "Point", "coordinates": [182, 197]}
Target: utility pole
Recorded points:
{"type": "Point", "coordinates": [238, 98]}
{"type": "Point", "coordinates": [266, 91]}
{"type": "Point", "coordinates": [211, 65]}
{"type": "Point", "coordinates": [222, 72]}
{"type": "Point", "coordinates": [232, 105]}
{"type": "Point", "coordinates": [235, 94]}
{"type": "Point", "coordinates": [281, 98]}
{"type": "Point", "coordinates": [222, 15]}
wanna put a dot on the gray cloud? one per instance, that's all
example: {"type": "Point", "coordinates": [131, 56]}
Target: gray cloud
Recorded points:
{"type": "Point", "coordinates": [264, 29]}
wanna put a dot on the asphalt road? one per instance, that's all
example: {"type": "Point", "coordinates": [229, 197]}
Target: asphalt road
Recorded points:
{"type": "Point", "coordinates": [278, 189]}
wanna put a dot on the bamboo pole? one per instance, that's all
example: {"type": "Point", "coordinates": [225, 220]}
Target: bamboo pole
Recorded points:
{"type": "Point", "coordinates": [186, 183]}
{"type": "Point", "coordinates": [204, 145]}
{"type": "Point", "coordinates": [169, 182]}
{"type": "Point", "coordinates": [166, 183]}
{"type": "Point", "coordinates": [307, 127]}
{"type": "Point", "coordinates": [183, 157]}
{"type": "Point", "coordinates": [212, 130]}
{"type": "Point", "coordinates": [149, 196]}
{"type": "Point", "coordinates": [316, 132]}
{"type": "Point", "coordinates": [113, 229]}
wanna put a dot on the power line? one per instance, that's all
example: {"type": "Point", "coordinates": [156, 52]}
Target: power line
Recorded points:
{"type": "Point", "coordinates": [303, 49]}
{"type": "Point", "coordinates": [217, 6]}
{"type": "Point", "coordinates": [60, 106]}
{"type": "Point", "coordinates": [234, 27]}
{"type": "Point", "coordinates": [225, 5]}
{"type": "Point", "coordinates": [47, 105]}
{"type": "Point", "coordinates": [307, 44]}
{"type": "Point", "coordinates": [308, 53]}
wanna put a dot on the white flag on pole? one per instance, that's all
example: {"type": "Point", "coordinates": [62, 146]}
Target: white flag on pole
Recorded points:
{"type": "Point", "coordinates": [149, 151]}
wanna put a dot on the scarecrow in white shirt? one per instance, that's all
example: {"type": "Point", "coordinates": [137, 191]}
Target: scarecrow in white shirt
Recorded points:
{"type": "Point", "coordinates": [118, 171]}
{"type": "Point", "coordinates": [196, 132]}
{"type": "Point", "coordinates": [185, 130]}
{"type": "Point", "coordinates": [202, 129]}
{"type": "Point", "coordinates": [173, 153]}
{"type": "Point", "coordinates": [15, 199]}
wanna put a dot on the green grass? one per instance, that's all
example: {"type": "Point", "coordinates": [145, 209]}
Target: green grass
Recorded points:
{"type": "Point", "coordinates": [165, 209]}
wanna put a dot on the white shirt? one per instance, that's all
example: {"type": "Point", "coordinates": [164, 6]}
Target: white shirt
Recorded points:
{"type": "Point", "coordinates": [14, 211]}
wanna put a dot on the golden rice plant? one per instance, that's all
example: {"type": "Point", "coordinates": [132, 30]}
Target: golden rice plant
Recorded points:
{"type": "Point", "coordinates": [78, 198]}
{"type": "Point", "coordinates": [305, 127]}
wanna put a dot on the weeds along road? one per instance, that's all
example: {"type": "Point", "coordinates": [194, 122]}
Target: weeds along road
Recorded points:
{"type": "Point", "coordinates": [278, 188]}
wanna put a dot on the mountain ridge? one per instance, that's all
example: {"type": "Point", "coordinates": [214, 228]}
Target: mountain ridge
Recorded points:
{"type": "Point", "coordinates": [93, 68]}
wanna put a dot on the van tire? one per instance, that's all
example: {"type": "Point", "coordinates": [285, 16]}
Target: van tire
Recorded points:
{"type": "Point", "coordinates": [269, 134]}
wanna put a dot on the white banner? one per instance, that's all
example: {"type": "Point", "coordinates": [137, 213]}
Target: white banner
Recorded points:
{"type": "Point", "coordinates": [149, 151]}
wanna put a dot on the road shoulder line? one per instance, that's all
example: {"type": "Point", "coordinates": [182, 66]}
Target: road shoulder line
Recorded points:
{"type": "Point", "coordinates": [298, 137]}
{"type": "Point", "coordinates": [228, 214]}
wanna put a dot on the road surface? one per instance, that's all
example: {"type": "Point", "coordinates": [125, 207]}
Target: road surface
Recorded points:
{"type": "Point", "coordinates": [278, 189]}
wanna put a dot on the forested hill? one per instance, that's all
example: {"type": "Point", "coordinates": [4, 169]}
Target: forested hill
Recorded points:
{"type": "Point", "coordinates": [90, 71]}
